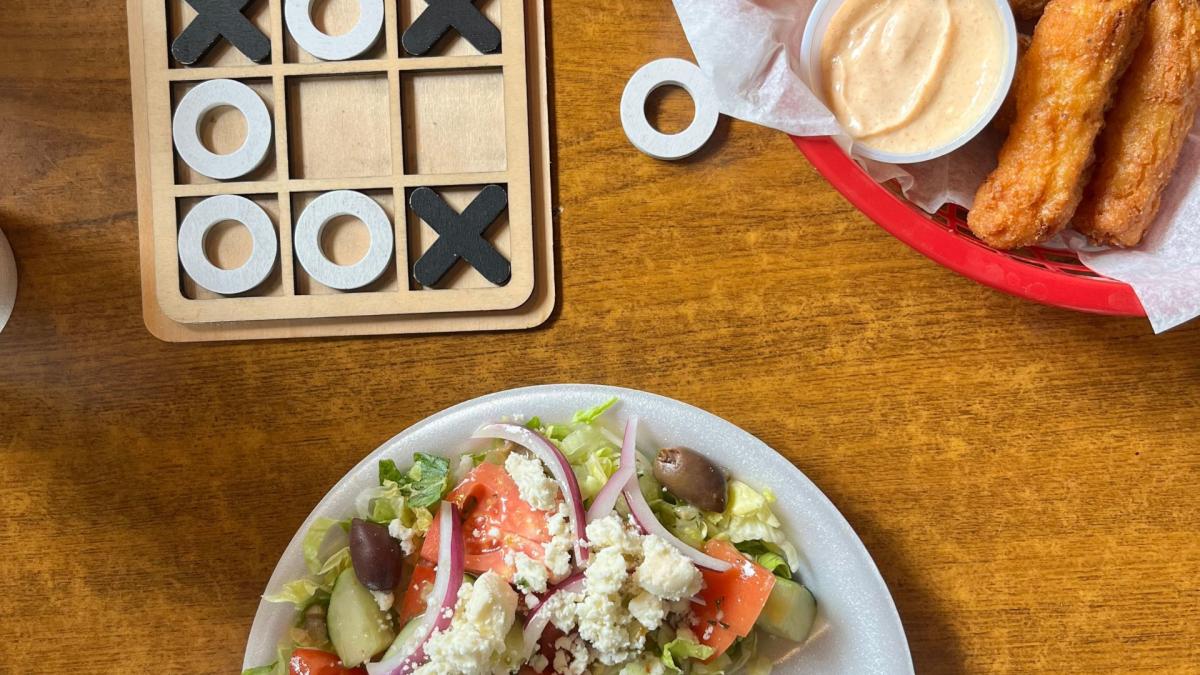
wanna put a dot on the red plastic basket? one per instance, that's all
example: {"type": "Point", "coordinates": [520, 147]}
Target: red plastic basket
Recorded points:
{"type": "Point", "coordinates": [1049, 276]}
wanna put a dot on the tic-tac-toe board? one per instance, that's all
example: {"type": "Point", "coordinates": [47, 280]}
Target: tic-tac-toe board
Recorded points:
{"type": "Point", "coordinates": [341, 167]}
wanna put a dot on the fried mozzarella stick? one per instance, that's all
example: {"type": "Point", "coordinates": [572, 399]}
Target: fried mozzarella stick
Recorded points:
{"type": "Point", "coordinates": [1064, 86]}
{"type": "Point", "coordinates": [1008, 110]}
{"type": "Point", "coordinates": [1146, 129]}
{"type": "Point", "coordinates": [1027, 9]}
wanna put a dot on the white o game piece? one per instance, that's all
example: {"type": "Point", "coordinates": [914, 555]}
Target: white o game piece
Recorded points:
{"type": "Point", "coordinates": [298, 14]}
{"type": "Point", "coordinates": [312, 222]}
{"type": "Point", "coordinates": [206, 97]}
{"type": "Point", "coordinates": [200, 221]}
{"type": "Point", "coordinates": [657, 74]}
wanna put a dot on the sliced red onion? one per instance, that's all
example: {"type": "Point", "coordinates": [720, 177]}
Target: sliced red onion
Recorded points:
{"type": "Point", "coordinates": [570, 584]}
{"type": "Point", "coordinates": [650, 525]}
{"type": "Point", "coordinates": [536, 622]}
{"type": "Point", "coordinates": [443, 598]}
{"type": "Point", "coordinates": [606, 499]}
{"type": "Point", "coordinates": [553, 458]}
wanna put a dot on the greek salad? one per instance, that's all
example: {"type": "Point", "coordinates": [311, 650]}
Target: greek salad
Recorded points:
{"type": "Point", "coordinates": [547, 548]}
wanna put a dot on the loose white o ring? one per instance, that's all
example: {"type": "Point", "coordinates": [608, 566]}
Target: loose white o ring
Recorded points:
{"type": "Point", "coordinates": [657, 74]}
{"type": "Point", "coordinates": [197, 103]}
{"type": "Point", "coordinates": [201, 220]}
{"type": "Point", "coordinates": [307, 240]}
{"type": "Point", "coordinates": [298, 14]}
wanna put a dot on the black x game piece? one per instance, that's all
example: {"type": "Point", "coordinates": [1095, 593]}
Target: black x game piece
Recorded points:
{"type": "Point", "coordinates": [460, 235]}
{"type": "Point", "coordinates": [216, 19]}
{"type": "Point", "coordinates": [442, 15]}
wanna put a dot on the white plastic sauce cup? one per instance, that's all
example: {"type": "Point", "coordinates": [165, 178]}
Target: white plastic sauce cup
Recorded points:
{"type": "Point", "coordinates": [810, 62]}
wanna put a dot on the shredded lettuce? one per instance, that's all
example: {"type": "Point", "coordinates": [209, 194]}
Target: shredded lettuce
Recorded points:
{"type": "Point", "coordinates": [595, 468]}
{"type": "Point", "coordinates": [424, 484]}
{"type": "Point", "coordinates": [422, 519]}
{"type": "Point", "coordinates": [386, 503]}
{"type": "Point", "coordinates": [322, 572]}
{"type": "Point", "coordinates": [718, 666]}
{"type": "Point", "coordinates": [302, 593]}
{"type": "Point", "coordinates": [677, 651]}
{"type": "Point", "coordinates": [313, 540]}
{"type": "Point", "coordinates": [591, 453]}
{"type": "Point", "coordinates": [748, 517]}
{"type": "Point", "coordinates": [683, 520]}
{"type": "Point", "coordinates": [590, 415]}
{"type": "Point", "coordinates": [334, 566]}
{"type": "Point", "coordinates": [768, 555]}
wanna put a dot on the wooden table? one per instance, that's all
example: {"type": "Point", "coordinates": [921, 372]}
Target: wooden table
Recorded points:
{"type": "Point", "coordinates": [1027, 479]}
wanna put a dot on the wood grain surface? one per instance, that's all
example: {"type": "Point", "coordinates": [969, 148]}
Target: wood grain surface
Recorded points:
{"type": "Point", "coordinates": [1028, 479]}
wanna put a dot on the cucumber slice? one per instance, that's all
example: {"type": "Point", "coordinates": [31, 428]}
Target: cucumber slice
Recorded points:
{"type": "Point", "coordinates": [403, 637]}
{"type": "Point", "coordinates": [358, 629]}
{"type": "Point", "coordinates": [789, 612]}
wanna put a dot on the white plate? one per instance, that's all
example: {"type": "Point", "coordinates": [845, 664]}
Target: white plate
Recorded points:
{"type": "Point", "coordinates": [859, 630]}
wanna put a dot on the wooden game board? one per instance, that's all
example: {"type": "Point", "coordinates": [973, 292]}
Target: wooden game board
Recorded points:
{"type": "Point", "coordinates": [382, 124]}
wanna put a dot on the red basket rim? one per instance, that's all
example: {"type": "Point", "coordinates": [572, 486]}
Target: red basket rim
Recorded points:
{"type": "Point", "coordinates": [970, 258]}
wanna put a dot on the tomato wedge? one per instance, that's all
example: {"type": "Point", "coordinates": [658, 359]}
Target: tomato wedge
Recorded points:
{"type": "Point", "coordinates": [317, 662]}
{"type": "Point", "coordinates": [733, 599]}
{"type": "Point", "coordinates": [497, 522]}
{"type": "Point", "coordinates": [413, 604]}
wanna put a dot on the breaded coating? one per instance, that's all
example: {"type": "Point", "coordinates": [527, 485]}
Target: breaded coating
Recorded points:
{"type": "Point", "coordinates": [1064, 86]}
{"type": "Point", "coordinates": [1146, 129]}
{"type": "Point", "coordinates": [1008, 110]}
{"type": "Point", "coordinates": [1027, 10]}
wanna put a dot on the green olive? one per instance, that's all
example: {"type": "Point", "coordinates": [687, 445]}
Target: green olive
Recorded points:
{"type": "Point", "coordinates": [692, 477]}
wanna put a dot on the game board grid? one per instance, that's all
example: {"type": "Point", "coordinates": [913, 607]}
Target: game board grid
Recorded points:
{"type": "Point", "coordinates": [284, 187]}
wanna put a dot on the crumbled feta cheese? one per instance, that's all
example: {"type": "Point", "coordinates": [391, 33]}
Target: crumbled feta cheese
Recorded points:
{"type": "Point", "coordinates": [609, 531]}
{"type": "Point", "coordinates": [559, 524]}
{"type": "Point", "coordinates": [531, 575]}
{"type": "Point", "coordinates": [557, 556]}
{"type": "Point", "coordinates": [558, 551]}
{"type": "Point", "coordinates": [560, 608]}
{"type": "Point", "coordinates": [402, 534]}
{"type": "Point", "coordinates": [384, 599]}
{"type": "Point", "coordinates": [605, 624]}
{"type": "Point", "coordinates": [666, 572]}
{"type": "Point", "coordinates": [476, 642]}
{"type": "Point", "coordinates": [535, 487]}
{"type": "Point", "coordinates": [571, 646]}
{"type": "Point", "coordinates": [606, 572]}
{"type": "Point", "coordinates": [615, 611]}
{"type": "Point", "coordinates": [539, 663]}
{"type": "Point", "coordinates": [647, 609]}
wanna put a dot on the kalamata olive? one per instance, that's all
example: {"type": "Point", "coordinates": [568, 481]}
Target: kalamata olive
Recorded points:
{"type": "Point", "coordinates": [375, 555]}
{"type": "Point", "coordinates": [692, 477]}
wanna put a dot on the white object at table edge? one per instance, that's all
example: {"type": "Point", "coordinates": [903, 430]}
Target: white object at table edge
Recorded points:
{"type": "Point", "coordinates": [8, 281]}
